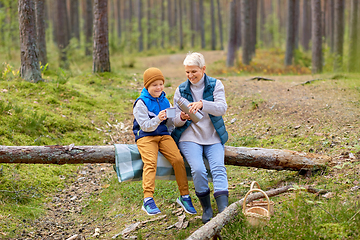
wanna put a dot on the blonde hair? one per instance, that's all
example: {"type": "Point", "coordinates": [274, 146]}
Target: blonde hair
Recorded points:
{"type": "Point", "coordinates": [194, 59]}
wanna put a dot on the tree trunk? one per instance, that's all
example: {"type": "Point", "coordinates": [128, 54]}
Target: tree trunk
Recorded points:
{"type": "Point", "coordinates": [192, 22]}
{"type": "Point", "coordinates": [316, 36]}
{"type": "Point", "coordinates": [2, 37]}
{"type": "Point", "coordinates": [245, 31]}
{"type": "Point", "coordinates": [338, 34]}
{"type": "Point", "coordinates": [290, 33]}
{"type": "Point", "coordinates": [62, 33]}
{"type": "Point", "coordinates": [40, 31]}
{"type": "Point", "coordinates": [149, 25]}
{"type": "Point", "coordinates": [306, 24]}
{"type": "Point", "coordinates": [220, 25]}
{"type": "Point", "coordinates": [353, 64]}
{"type": "Point", "coordinates": [170, 23]}
{"type": "Point", "coordinates": [237, 156]}
{"type": "Point", "coordinates": [253, 26]}
{"type": "Point", "coordinates": [238, 17]}
{"type": "Point", "coordinates": [296, 24]}
{"type": "Point", "coordinates": [215, 225]}
{"type": "Point", "coordinates": [88, 26]}
{"type": "Point", "coordinates": [140, 16]}
{"type": "Point", "coordinates": [74, 19]}
{"type": "Point", "coordinates": [263, 16]}
{"type": "Point", "coordinates": [232, 46]}
{"type": "Point", "coordinates": [213, 33]}
{"type": "Point", "coordinates": [162, 23]}
{"type": "Point", "coordinates": [118, 19]}
{"type": "Point", "coordinates": [181, 37]}
{"type": "Point", "coordinates": [30, 69]}
{"type": "Point", "coordinates": [202, 23]}
{"type": "Point", "coordinates": [175, 14]}
{"type": "Point", "coordinates": [111, 13]}
{"type": "Point", "coordinates": [332, 25]}
{"type": "Point", "coordinates": [101, 60]}
{"type": "Point", "coordinates": [53, 14]}
{"type": "Point", "coordinates": [281, 14]}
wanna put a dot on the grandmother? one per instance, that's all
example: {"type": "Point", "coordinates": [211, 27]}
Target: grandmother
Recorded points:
{"type": "Point", "coordinates": [206, 137]}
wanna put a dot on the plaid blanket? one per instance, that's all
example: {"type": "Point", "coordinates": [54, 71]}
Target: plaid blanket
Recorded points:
{"type": "Point", "coordinates": [129, 166]}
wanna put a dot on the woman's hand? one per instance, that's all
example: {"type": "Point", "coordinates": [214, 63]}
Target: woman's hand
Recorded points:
{"type": "Point", "coordinates": [184, 116]}
{"type": "Point", "coordinates": [195, 106]}
{"type": "Point", "coordinates": [162, 115]}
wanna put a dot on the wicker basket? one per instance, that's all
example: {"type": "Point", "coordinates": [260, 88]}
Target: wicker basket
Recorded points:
{"type": "Point", "coordinates": [260, 203]}
{"type": "Point", "coordinates": [256, 215]}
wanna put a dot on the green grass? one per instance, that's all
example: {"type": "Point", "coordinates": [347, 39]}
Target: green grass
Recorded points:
{"type": "Point", "coordinates": [62, 112]}
{"type": "Point", "coordinates": [64, 109]}
{"type": "Point", "coordinates": [301, 217]}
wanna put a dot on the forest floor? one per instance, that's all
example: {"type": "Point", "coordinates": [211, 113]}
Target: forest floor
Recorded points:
{"type": "Point", "coordinates": [321, 117]}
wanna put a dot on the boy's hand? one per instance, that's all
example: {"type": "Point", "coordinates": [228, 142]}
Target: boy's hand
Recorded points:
{"type": "Point", "coordinates": [195, 106]}
{"type": "Point", "coordinates": [184, 116]}
{"type": "Point", "coordinates": [162, 115]}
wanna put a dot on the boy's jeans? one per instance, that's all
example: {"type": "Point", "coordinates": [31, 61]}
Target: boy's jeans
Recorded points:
{"type": "Point", "coordinates": [148, 148]}
{"type": "Point", "coordinates": [193, 153]}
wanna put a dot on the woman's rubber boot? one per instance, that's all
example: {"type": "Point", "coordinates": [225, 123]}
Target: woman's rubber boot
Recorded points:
{"type": "Point", "coordinates": [206, 206]}
{"type": "Point", "coordinates": [222, 200]}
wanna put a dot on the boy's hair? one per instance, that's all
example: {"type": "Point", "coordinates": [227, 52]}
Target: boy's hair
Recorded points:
{"type": "Point", "coordinates": [194, 59]}
{"type": "Point", "coordinates": [151, 75]}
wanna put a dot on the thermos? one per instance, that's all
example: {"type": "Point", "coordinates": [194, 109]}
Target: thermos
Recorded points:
{"type": "Point", "coordinates": [183, 103]}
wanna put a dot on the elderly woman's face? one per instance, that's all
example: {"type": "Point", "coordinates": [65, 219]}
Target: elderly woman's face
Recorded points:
{"type": "Point", "coordinates": [194, 73]}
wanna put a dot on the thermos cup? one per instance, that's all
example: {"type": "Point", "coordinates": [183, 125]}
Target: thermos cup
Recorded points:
{"type": "Point", "coordinates": [170, 112]}
{"type": "Point", "coordinates": [183, 103]}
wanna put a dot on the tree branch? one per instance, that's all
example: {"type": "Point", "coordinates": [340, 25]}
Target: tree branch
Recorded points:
{"type": "Point", "coordinates": [260, 78]}
{"type": "Point", "coordinates": [215, 225]}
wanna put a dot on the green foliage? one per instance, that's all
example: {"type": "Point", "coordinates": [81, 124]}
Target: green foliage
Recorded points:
{"type": "Point", "coordinates": [9, 72]}
{"type": "Point", "coordinates": [301, 58]}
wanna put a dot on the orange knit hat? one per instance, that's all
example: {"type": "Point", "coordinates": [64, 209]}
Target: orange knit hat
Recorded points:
{"type": "Point", "coordinates": [151, 75]}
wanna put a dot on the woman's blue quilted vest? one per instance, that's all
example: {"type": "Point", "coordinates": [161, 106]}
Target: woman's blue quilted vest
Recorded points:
{"type": "Point", "coordinates": [217, 121]}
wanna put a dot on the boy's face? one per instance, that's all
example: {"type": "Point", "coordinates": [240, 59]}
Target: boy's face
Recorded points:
{"type": "Point", "coordinates": [194, 73]}
{"type": "Point", "coordinates": [156, 88]}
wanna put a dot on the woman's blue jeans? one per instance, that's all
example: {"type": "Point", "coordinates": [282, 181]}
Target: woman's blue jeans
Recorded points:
{"type": "Point", "coordinates": [214, 154]}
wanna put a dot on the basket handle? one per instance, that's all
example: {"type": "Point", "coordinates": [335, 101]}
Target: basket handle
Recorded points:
{"type": "Point", "coordinates": [253, 183]}
{"type": "Point", "coordinates": [256, 190]}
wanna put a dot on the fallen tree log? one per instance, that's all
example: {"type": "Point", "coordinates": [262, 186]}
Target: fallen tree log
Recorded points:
{"type": "Point", "coordinates": [238, 156]}
{"type": "Point", "coordinates": [57, 154]}
{"type": "Point", "coordinates": [214, 226]}
{"type": "Point", "coordinates": [274, 158]}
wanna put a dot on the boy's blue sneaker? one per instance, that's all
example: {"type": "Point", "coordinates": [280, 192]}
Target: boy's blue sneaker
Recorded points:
{"type": "Point", "coordinates": [186, 204]}
{"type": "Point", "coordinates": [150, 207]}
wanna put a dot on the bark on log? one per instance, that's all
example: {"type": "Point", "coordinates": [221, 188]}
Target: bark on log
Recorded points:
{"type": "Point", "coordinates": [238, 156]}
{"type": "Point", "coordinates": [274, 158]}
{"type": "Point", "coordinates": [215, 225]}
{"type": "Point", "coordinates": [57, 154]}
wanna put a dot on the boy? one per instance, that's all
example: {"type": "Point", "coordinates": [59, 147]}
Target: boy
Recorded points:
{"type": "Point", "coordinates": [152, 135]}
